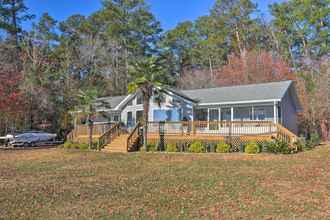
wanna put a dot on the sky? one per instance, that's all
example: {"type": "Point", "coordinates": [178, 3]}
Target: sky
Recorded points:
{"type": "Point", "coordinates": [168, 12]}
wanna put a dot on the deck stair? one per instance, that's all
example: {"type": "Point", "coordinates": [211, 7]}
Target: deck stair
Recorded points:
{"type": "Point", "coordinates": [118, 145]}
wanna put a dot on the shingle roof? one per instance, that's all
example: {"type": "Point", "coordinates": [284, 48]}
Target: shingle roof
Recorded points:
{"type": "Point", "coordinates": [251, 92]}
{"type": "Point", "coordinates": [109, 102]}
{"type": "Point", "coordinates": [229, 94]}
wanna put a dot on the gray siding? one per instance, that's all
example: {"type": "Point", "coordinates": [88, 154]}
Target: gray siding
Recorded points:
{"type": "Point", "coordinates": [289, 113]}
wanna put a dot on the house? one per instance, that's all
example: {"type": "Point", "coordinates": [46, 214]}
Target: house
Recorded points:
{"type": "Point", "coordinates": [275, 101]}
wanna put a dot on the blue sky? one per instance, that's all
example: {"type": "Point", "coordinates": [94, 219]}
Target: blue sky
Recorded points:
{"type": "Point", "coordinates": [168, 12]}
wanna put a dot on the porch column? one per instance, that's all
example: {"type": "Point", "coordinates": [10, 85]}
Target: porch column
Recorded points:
{"type": "Point", "coordinates": [208, 118]}
{"type": "Point", "coordinates": [232, 113]}
{"type": "Point", "coordinates": [252, 113]}
{"type": "Point", "coordinates": [275, 113]}
{"type": "Point", "coordinates": [219, 114]}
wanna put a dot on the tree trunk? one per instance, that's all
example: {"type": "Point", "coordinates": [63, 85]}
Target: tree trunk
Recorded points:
{"type": "Point", "coordinates": [211, 69]}
{"type": "Point", "coordinates": [146, 99]}
{"type": "Point", "coordinates": [14, 34]}
{"type": "Point", "coordinates": [90, 136]}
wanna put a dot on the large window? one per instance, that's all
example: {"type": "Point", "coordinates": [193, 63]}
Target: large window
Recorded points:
{"type": "Point", "coordinates": [201, 114]}
{"type": "Point", "coordinates": [139, 116]}
{"type": "Point", "coordinates": [214, 117]}
{"type": "Point", "coordinates": [225, 114]}
{"type": "Point", "coordinates": [243, 113]}
{"type": "Point", "coordinates": [116, 118]}
{"type": "Point", "coordinates": [264, 113]}
{"type": "Point", "coordinates": [139, 100]}
{"type": "Point", "coordinates": [167, 115]}
{"type": "Point", "coordinates": [129, 119]}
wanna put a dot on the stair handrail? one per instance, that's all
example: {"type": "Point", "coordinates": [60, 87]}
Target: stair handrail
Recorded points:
{"type": "Point", "coordinates": [134, 138]}
{"type": "Point", "coordinates": [109, 135]}
{"type": "Point", "coordinates": [71, 136]}
{"type": "Point", "coordinates": [285, 134]}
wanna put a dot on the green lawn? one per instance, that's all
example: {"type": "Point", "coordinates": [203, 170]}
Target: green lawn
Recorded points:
{"type": "Point", "coordinates": [58, 184]}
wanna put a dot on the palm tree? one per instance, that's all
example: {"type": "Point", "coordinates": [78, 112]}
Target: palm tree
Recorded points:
{"type": "Point", "coordinates": [147, 75]}
{"type": "Point", "coordinates": [86, 100]}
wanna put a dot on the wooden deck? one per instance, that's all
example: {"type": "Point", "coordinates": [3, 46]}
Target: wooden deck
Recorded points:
{"type": "Point", "coordinates": [233, 132]}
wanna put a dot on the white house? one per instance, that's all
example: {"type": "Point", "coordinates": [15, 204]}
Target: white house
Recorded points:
{"type": "Point", "coordinates": [274, 101]}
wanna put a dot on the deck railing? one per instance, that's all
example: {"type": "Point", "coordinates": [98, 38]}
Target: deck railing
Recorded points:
{"type": "Point", "coordinates": [221, 128]}
{"type": "Point", "coordinates": [285, 135]}
{"type": "Point", "coordinates": [226, 129]}
{"type": "Point", "coordinates": [109, 135]}
{"type": "Point", "coordinates": [83, 130]}
{"type": "Point", "coordinates": [134, 138]}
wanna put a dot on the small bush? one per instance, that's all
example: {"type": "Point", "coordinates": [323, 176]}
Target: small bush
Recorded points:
{"type": "Point", "coordinates": [196, 147]}
{"type": "Point", "coordinates": [67, 145]}
{"type": "Point", "coordinates": [279, 147]}
{"type": "Point", "coordinates": [78, 146]}
{"type": "Point", "coordinates": [315, 139]}
{"type": "Point", "coordinates": [171, 148]}
{"type": "Point", "coordinates": [151, 148]}
{"type": "Point", "coordinates": [300, 145]}
{"type": "Point", "coordinates": [223, 147]}
{"type": "Point", "coordinates": [83, 146]}
{"type": "Point", "coordinates": [252, 148]}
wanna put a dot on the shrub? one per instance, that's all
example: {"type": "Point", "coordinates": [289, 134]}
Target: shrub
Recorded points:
{"type": "Point", "coordinates": [300, 144]}
{"type": "Point", "coordinates": [252, 148]}
{"type": "Point", "coordinates": [279, 147]}
{"type": "Point", "coordinates": [151, 148]}
{"type": "Point", "coordinates": [171, 148]}
{"type": "Point", "coordinates": [196, 147]}
{"type": "Point", "coordinates": [83, 146]}
{"type": "Point", "coordinates": [67, 145]}
{"type": "Point", "coordinates": [78, 146]}
{"type": "Point", "coordinates": [315, 139]}
{"type": "Point", "coordinates": [223, 147]}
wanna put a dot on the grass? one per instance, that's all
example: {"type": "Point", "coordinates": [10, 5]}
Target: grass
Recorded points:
{"type": "Point", "coordinates": [60, 184]}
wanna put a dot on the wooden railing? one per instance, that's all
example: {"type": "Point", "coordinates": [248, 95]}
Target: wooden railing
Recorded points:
{"type": "Point", "coordinates": [98, 129]}
{"type": "Point", "coordinates": [83, 130]}
{"type": "Point", "coordinates": [70, 137]}
{"type": "Point", "coordinates": [285, 135]}
{"type": "Point", "coordinates": [221, 128]}
{"type": "Point", "coordinates": [109, 136]}
{"type": "Point", "coordinates": [134, 138]}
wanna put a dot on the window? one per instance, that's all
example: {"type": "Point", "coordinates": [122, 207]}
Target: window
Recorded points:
{"type": "Point", "coordinates": [129, 119]}
{"type": "Point", "coordinates": [167, 115]}
{"type": "Point", "coordinates": [139, 116]}
{"type": "Point", "coordinates": [264, 113]}
{"type": "Point", "coordinates": [116, 118]}
{"type": "Point", "coordinates": [160, 115]}
{"type": "Point", "coordinates": [214, 117]}
{"type": "Point", "coordinates": [243, 113]}
{"type": "Point", "coordinates": [139, 100]}
{"type": "Point", "coordinates": [201, 114]}
{"type": "Point", "coordinates": [225, 114]}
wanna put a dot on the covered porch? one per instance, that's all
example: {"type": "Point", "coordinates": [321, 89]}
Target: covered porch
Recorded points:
{"type": "Point", "coordinates": [270, 111]}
